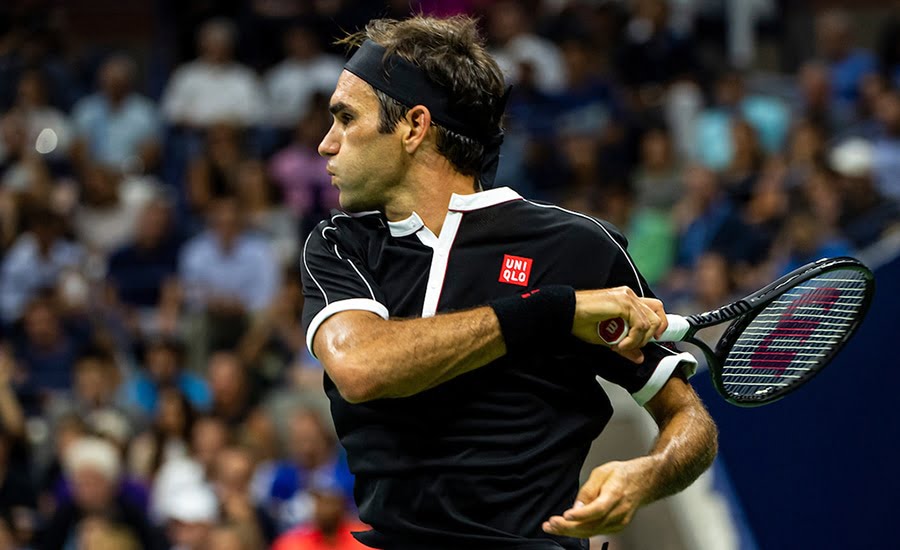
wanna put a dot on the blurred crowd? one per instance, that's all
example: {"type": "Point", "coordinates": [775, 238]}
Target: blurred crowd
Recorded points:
{"type": "Point", "coordinates": [155, 387]}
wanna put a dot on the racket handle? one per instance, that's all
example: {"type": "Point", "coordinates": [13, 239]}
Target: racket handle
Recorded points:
{"type": "Point", "coordinates": [613, 331]}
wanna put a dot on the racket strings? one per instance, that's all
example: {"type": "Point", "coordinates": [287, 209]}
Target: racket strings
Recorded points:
{"type": "Point", "coordinates": [794, 335]}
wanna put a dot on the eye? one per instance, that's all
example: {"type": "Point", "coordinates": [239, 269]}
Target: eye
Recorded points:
{"type": "Point", "coordinates": [345, 118]}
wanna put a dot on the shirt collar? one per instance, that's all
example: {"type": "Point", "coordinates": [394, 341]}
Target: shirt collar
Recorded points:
{"type": "Point", "coordinates": [458, 203]}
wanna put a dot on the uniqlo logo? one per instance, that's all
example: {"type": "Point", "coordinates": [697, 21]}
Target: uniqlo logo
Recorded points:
{"type": "Point", "coordinates": [515, 270]}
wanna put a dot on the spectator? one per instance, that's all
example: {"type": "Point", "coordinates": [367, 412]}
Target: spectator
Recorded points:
{"type": "Point", "coordinates": [97, 533]}
{"type": "Point", "coordinates": [214, 88]}
{"type": "Point", "coordinates": [212, 173]}
{"type": "Point", "coordinates": [847, 63]}
{"type": "Point", "coordinates": [805, 240]}
{"type": "Point", "coordinates": [866, 215]}
{"type": "Point", "coordinates": [22, 169]}
{"type": "Point", "coordinates": [192, 517]}
{"type": "Point", "coordinates": [231, 477]}
{"type": "Point", "coordinates": [234, 394]}
{"type": "Point", "coordinates": [18, 503]}
{"type": "Point", "coordinates": [94, 397]}
{"type": "Point", "coordinates": [330, 527]}
{"type": "Point", "coordinates": [227, 269]}
{"type": "Point", "coordinates": [768, 116]}
{"type": "Point", "coordinates": [34, 262]}
{"type": "Point", "coordinates": [107, 214]}
{"type": "Point", "coordinates": [886, 153]}
{"type": "Point", "coordinates": [33, 104]}
{"type": "Point", "coordinates": [231, 536]}
{"type": "Point", "coordinates": [140, 268]}
{"type": "Point", "coordinates": [46, 350]}
{"type": "Point", "coordinates": [94, 468]}
{"type": "Point", "coordinates": [313, 451]}
{"type": "Point", "coordinates": [117, 127]}
{"type": "Point", "coordinates": [164, 367]}
{"type": "Point", "coordinates": [266, 213]}
{"type": "Point", "coordinates": [168, 438]}
{"type": "Point", "coordinates": [275, 338]}
{"type": "Point", "coordinates": [520, 53]}
{"type": "Point", "coordinates": [305, 72]}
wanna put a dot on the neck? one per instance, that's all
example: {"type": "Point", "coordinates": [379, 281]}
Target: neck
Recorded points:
{"type": "Point", "coordinates": [428, 191]}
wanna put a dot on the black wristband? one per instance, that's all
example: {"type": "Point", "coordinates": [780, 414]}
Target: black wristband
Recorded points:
{"type": "Point", "coordinates": [536, 319]}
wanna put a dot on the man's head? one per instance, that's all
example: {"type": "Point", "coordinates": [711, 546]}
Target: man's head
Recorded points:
{"type": "Point", "coordinates": [834, 35]}
{"type": "Point", "coordinates": [225, 220]}
{"type": "Point", "coordinates": [117, 77]}
{"type": "Point", "coordinates": [216, 40]}
{"type": "Point", "coordinates": [163, 359]}
{"type": "Point", "coordinates": [94, 467]}
{"type": "Point", "coordinates": [375, 139]}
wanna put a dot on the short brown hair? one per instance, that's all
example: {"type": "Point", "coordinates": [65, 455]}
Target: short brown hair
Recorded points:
{"type": "Point", "coordinates": [451, 52]}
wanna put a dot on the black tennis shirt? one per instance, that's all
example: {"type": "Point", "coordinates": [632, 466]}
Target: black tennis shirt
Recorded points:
{"type": "Point", "coordinates": [483, 460]}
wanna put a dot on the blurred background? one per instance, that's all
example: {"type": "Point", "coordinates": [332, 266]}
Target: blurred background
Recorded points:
{"type": "Point", "coordinates": [158, 176]}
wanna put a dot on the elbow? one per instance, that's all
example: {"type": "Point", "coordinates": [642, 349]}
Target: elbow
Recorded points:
{"type": "Point", "coordinates": [354, 382]}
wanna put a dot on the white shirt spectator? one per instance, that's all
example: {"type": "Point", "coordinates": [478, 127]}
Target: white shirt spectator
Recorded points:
{"type": "Point", "coordinates": [543, 56]}
{"type": "Point", "coordinates": [25, 271]}
{"type": "Point", "coordinates": [248, 272]}
{"type": "Point", "coordinates": [202, 93]}
{"type": "Point", "coordinates": [292, 83]}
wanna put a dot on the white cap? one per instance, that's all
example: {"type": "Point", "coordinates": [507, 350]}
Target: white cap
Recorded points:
{"type": "Point", "coordinates": [193, 504]}
{"type": "Point", "coordinates": [852, 158]}
{"type": "Point", "coordinates": [96, 453]}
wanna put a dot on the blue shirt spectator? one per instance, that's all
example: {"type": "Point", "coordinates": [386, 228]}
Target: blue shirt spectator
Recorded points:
{"type": "Point", "coordinates": [34, 262]}
{"type": "Point", "coordinates": [226, 266]}
{"type": "Point", "coordinates": [115, 126]}
{"type": "Point", "coordinates": [164, 367]}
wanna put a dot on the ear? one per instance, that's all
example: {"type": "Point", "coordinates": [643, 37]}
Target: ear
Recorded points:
{"type": "Point", "coordinates": [418, 122]}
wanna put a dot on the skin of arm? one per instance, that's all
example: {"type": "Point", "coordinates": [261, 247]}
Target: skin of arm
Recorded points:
{"type": "Point", "coordinates": [684, 449]}
{"type": "Point", "coordinates": [369, 358]}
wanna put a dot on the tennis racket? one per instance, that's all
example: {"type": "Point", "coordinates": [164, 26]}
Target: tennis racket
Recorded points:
{"type": "Point", "coordinates": [781, 336]}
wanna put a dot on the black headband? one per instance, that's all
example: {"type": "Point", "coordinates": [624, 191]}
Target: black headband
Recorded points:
{"type": "Point", "coordinates": [408, 84]}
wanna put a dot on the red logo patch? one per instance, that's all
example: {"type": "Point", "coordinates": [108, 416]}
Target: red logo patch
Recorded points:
{"type": "Point", "coordinates": [515, 270]}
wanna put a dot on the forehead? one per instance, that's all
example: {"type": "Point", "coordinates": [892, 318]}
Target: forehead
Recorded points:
{"type": "Point", "coordinates": [354, 92]}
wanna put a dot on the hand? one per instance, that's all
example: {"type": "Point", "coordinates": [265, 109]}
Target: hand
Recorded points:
{"type": "Point", "coordinates": [608, 500]}
{"type": "Point", "coordinates": [645, 316]}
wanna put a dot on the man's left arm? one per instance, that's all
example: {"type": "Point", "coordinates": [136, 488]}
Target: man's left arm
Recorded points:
{"type": "Point", "coordinates": [685, 448]}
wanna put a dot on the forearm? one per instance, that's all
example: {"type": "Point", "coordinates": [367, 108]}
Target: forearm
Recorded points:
{"type": "Point", "coordinates": [371, 358]}
{"type": "Point", "coordinates": [685, 448]}
{"type": "Point", "coordinates": [11, 416]}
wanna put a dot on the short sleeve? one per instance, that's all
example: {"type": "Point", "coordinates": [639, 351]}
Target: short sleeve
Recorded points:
{"type": "Point", "coordinates": [334, 280]}
{"type": "Point", "coordinates": [642, 381]}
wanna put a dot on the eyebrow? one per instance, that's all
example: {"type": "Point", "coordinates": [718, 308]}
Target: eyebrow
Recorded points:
{"type": "Point", "coordinates": [336, 108]}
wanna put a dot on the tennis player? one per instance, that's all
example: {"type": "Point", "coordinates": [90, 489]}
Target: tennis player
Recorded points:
{"type": "Point", "coordinates": [454, 322]}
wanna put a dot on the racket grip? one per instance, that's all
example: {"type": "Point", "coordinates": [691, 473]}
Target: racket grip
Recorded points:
{"type": "Point", "coordinates": [613, 331]}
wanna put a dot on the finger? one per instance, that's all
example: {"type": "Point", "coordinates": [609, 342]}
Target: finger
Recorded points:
{"type": "Point", "coordinates": [659, 309]}
{"type": "Point", "coordinates": [633, 355]}
{"type": "Point", "coordinates": [595, 510]}
{"type": "Point", "coordinates": [558, 525]}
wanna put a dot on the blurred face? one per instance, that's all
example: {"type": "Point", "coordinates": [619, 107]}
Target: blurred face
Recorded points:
{"type": "Point", "coordinates": [226, 377]}
{"type": "Point", "coordinates": [252, 183]}
{"type": "Point", "coordinates": [42, 325]}
{"type": "Point", "coordinates": [92, 490]}
{"type": "Point", "coordinates": [92, 381]}
{"type": "Point", "coordinates": [712, 279]}
{"type": "Point", "coordinates": [208, 439]}
{"type": "Point", "coordinates": [225, 219]}
{"type": "Point", "coordinates": [171, 417]}
{"type": "Point", "coordinates": [31, 91]}
{"type": "Point", "coordinates": [153, 225]}
{"type": "Point", "coordinates": [301, 43]}
{"type": "Point", "coordinates": [216, 43]}
{"type": "Point", "coordinates": [889, 111]}
{"type": "Point", "coordinates": [224, 538]}
{"type": "Point", "coordinates": [188, 535]}
{"type": "Point", "coordinates": [328, 511]}
{"type": "Point", "coordinates": [832, 36]}
{"type": "Point", "coordinates": [233, 471]}
{"type": "Point", "coordinates": [310, 446]}
{"type": "Point", "coordinates": [115, 79]}
{"type": "Point", "coordinates": [364, 165]}
{"type": "Point", "coordinates": [656, 149]}
{"type": "Point", "coordinates": [162, 363]}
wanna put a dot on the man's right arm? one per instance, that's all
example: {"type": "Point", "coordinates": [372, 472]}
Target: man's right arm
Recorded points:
{"type": "Point", "coordinates": [368, 357]}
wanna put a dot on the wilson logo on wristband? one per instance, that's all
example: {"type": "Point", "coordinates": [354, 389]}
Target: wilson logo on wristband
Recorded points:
{"type": "Point", "coordinates": [515, 270]}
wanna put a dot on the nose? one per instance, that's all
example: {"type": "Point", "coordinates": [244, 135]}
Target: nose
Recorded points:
{"type": "Point", "coordinates": [329, 146]}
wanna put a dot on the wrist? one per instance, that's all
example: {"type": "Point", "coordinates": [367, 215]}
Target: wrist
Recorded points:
{"type": "Point", "coordinates": [535, 320]}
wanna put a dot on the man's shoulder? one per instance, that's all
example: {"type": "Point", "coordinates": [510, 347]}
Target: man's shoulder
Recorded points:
{"type": "Point", "coordinates": [343, 228]}
{"type": "Point", "coordinates": [574, 223]}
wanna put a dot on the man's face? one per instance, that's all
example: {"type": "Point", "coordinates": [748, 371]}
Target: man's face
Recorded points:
{"type": "Point", "coordinates": [365, 165]}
